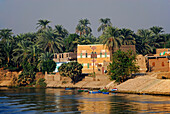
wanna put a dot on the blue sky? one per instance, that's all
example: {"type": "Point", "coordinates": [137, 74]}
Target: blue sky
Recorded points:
{"type": "Point", "coordinates": [22, 15]}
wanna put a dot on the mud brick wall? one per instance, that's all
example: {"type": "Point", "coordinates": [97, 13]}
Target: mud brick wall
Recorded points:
{"type": "Point", "coordinates": [159, 65]}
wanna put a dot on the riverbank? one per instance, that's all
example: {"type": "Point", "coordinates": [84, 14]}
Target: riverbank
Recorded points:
{"type": "Point", "coordinates": [150, 84]}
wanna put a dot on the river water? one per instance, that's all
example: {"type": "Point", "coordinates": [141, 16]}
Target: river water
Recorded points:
{"type": "Point", "coordinates": [51, 100]}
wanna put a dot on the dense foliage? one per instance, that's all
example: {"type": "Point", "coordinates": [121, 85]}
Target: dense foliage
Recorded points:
{"type": "Point", "coordinates": [32, 49]}
{"type": "Point", "coordinates": [122, 66]}
{"type": "Point", "coordinates": [72, 70]}
{"type": "Point", "coordinates": [48, 66]}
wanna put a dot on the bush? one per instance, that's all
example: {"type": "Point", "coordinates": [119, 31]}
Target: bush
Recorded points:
{"type": "Point", "coordinates": [72, 70]}
{"type": "Point", "coordinates": [48, 66]}
{"type": "Point", "coordinates": [28, 74]}
{"type": "Point", "coordinates": [41, 83]}
{"type": "Point", "coordinates": [122, 66]}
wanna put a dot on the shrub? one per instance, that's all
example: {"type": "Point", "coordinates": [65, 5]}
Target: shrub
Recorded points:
{"type": "Point", "coordinates": [41, 83]}
{"type": "Point", "coordinates": [72, 70]}
{"type": "Point", "coordinates": [122, 66]}
{"type": "Point", "coordinates": [48, 66]}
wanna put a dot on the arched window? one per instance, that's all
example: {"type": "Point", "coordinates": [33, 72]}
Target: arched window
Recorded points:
{"type": "Point", "coordinates": [163, 64]}
{"type": "Point", "coordinates": [153, 64]}
{"type": "Point", "coordinates": [86, 55]}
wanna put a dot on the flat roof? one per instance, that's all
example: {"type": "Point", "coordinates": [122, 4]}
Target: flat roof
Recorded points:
{"type": "Point", "coordinates": [89, 44]}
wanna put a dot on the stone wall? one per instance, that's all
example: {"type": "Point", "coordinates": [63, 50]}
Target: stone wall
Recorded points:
{"type": "Point", "coordinates": [52, 77]}
{"type": "Point", "coordinates": [141, 62]}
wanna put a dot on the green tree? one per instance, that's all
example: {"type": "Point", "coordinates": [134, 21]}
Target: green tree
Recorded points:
{"type": "Point", "coordinates": [60, 31]}
{"type": "Point", "coordinates": [72, 70]}
{"type": "Point", "coordinates": [165, 38]}
{"type": "Point", "coordinates": [83, 28]}
{"type": "Point", "coordinates": [70, 45]}
{"type": "Point", "coordinates": [6, 49]}
{"type": "Point", "coordinates": [144, 43]}
{"type": "Point", "coordinates": [49, 41]}
{"type": "Point", "coordinates": [157, 30]}
{"type": "Point", "coordinates": [122, 66]}
{"type": "Point", "coordinates": [22, 51]}
{"type": "Point", "coordinates": [44, 57]}
{"type": "Point", "coordinates": [127, 36]}
{"type": "Point", "coordinates": [48, 66]}
{"type": "Point", "coordinates": [5, 34]}
{"type": "Point", "coordinates": [111, 38]}
{"type": "Point", "coordinates": [104, 23]}
{"type": "Point", "coordinates": [42, 23]}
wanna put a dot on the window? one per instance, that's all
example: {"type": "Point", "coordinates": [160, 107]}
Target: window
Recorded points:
{"type": "Point", "coordinates": [163, 64]}
{"type": "Point", "coordinates": [105, 54]}
{"type": "Point", "coordinates": [100, 55]}
{"type": "Point", "coordinates": [95, 55]}
{"type": "Point", "coordinates": [153, 64]}
{"type": "Point", "coordinates": [86, 55]}
{"type": "Point", "coordinates": [56, 56]}
{"type": "Point", "coordinates": [92, 55]}
{"type": "Point", "coordinates": [87, 65]}
{"type": "Point", "coordinates": [66, 55]}
{"type": "Point", "coordinates": [80, 55]}
{"type": "Point", "coordinates": [59, 56]}
{"type": "Point", "coordinates": [62, 55]}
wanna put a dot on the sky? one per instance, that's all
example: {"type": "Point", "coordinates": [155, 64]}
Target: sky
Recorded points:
{"type": "Point", "coordinates": [22, 15]}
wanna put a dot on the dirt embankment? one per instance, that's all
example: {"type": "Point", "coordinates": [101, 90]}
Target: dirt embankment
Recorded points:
{"type": "Point", "coordinates": [101, 82]}
{"type": "Point", "coordinates": [148, 84]}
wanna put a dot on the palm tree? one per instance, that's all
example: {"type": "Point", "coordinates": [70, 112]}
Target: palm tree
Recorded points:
{"type": "Point", "coordinates": [49, 41]}
{"type": "Point", "coordinates": [164, 38]}
{"type": "Point", "coordinates": [68, 42]}
{"type": "Point", "coordinates": [22, 51]}
{"type": "Point", "coordinates": [144, 41]}
{"type": "Point", "coordinates": [5, 34]}
{"type": "Point", "coordinates": [127, 36]}
{"type": "Point", "coordinates": [42, 24]}
{"type": "Point", "coordinates": [60, 31]}
{"type": "Point", "coordinates": [104, 23]}
{"type": "Point", "coordinates": [111, 38]}
{"type": "Point", "coordinates": [83, 27]}
{"type": "Point", "coordinates": [44, 57]}
{"type": "Point", "coordinates": [82, 41]}
{"type": "Point", "coordinates": [156, 30]}
{"type": "Point", "coordinates": [6, 51]}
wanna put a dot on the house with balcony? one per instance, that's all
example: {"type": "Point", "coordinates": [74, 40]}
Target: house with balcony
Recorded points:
{"type": "Point", "coordinates": [61, 58]}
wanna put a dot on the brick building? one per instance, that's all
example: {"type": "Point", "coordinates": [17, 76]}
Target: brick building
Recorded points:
{"type": "Point", "coordinates": [94, 53]}
{"type": "Point", "coordinates": [160, 62]}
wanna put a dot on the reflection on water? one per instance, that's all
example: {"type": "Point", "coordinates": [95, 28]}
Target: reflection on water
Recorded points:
{"type": "Point", "coordinates": [70, 101]}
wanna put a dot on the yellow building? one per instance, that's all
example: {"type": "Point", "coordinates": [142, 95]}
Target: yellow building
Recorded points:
{"type": "Point", "coordinates": [93, 53]}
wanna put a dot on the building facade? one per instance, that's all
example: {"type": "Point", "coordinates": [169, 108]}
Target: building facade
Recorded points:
{"type": "Point", "coordinates": [92, 56]}
{"type": "Point", "coordinates": [61, 58]}
{"type": "Point", "coordinates": [160, 62]}
{"type": "Point", "coordinates": [65, 57]}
